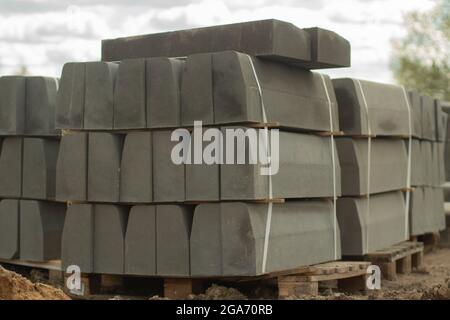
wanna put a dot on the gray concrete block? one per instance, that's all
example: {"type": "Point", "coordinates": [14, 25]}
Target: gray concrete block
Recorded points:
{"type": "Point", "coordinates": [104, 156]}
{"type": "Point", "coordinates": [9, 229]}
{"type": "Point", "coordinates": [136, 176]}
{"type": "Point", "coordinates": [41, 95]}
{"type": "Point", "coordinates": [72, 168]}
{"type": "Point", "coordinates": [271, 39]}
{"type": "Point", "coordinates": [78, 238]}
{"type": "Point", "coordinates": [388, 169]}
{"type": "Point", "coordinates": [99, 95]}
{"type": "Point", "coordinates": [428, 118]}
{"type": "Point", "coordinates": [109, 238]}
{"type": "Point", "coordinates": [427, 156]}
{"type": "Point", "coordinates": [328, 49]}
{"type": "Point", "coordinates": [434, 209]}
{"type": "Point", "coordinates": [305, 171]}
{"type": "Point", "coordinates": [363, 232]}
{"type": "Point", "coordinates": [227, 239]}
{"type": "Point", "coordinates": [173, 230]}
{"type": "Point", "coordinates": [163, 82]}
{"type": "Point", "coordinates": [387, 116]}
{"type": "Point", "coordinates": [417, 213]}
{"type": "Point", "coordinates": [439, 209]}
{"type": "Point", "coordinates": [417, 162]}
{"type": "Point", "coordinates": [11, 167]}
{"type": "Point", "coordinates": [168, 178]}
{"type": "Point", "coordinates": [12, 105]}
{"type": "Point", "coordinates": [292, 97]}
{"type": "Point", "coordinates": [441, 119]}
{"type": "Point", "coordinates": [197, 90]}
{"type": "Point", "coordinates": [140, 241]}
{"type": "Point", "coordinates": [435, 165]}
{"type": "Point", "coordinates": [70, 98]}
{"type": "Point", "coordinates": [41, 227]}
{"type": "Point", "coordinates": [441, 160]}
{"type": "Point", "coordinates": [416, 112]}
{"type": "Point", "coordinates": [39, 168]}
{"type": "Point", "coordinates": [130, 95]}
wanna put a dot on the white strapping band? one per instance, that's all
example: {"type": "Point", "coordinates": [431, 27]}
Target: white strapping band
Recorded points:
{"type": "Point", "coordinates": [266, 143]}
{"type": "Point", "coordinates": [408, 174]}
{"type": "Point", "coordinates": [369, 164]}
{"type": "Point", "coordinates": [333, 160]}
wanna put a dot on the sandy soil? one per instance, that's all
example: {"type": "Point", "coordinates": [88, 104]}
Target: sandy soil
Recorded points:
{"type": "Point", "coordinates": [15, 287]}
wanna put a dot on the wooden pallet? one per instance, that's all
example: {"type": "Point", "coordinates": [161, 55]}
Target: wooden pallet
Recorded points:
{"type": "Point", "coordinates": [430, 241]}
{"type": "Point", "coordinates": [400, 258]}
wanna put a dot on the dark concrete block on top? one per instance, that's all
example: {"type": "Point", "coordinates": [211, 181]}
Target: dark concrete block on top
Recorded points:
{"type": "Point", "coordinates": [99, 95]}
{"type": "Point", "coordinates": [78, 238]}
{"type": "Point", "coordinates": [130, 95]}
{"type": "Point", "coordinates": [104, 156]}
{"type": "Point", "coordinates": [9, 229]}
{"type": "Point", "coordinates": [364, 231]}
{"type": "Point", "coordinates": [271, 39]}
{"type": "Point", "coordinates": [39, 168]}
{"type": "Point", "coordinates": [227, 239]}
{"type": "Point", "coordinates": [11, 167]}
{"type": "Point", "coordinates": [12, 105]}
{"type": "Point", "coordinates": [41, 227]}
{"type": "Point", "coordinates": [428, 118]}
{"type": "Point", "coordinates": [388, 171]}
{"type": "Point", "coordinates": [72, 168]}
{"type": "Point", "coordinates": [387, 116]}
{"type": "Point", "coordinates": [136, 174]}
{"type": "Point", "coordinates": [71, 97]}
{"type": "Point", "coordinates": [110, 225]}
{"type": "Point", "coordinates": [41, 93]}
{"type": "Point", "coordinates": [305, 171]}
{"type": "Point", "coordinates": [163, 82]}
{"type": "Point", "coordinates": [292, 97]}
{"type": "Point", "coordinates": [168, 177]}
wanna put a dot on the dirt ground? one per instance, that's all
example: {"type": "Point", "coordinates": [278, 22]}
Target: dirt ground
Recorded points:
{"type": "Point", "coordinates": [15, 287]}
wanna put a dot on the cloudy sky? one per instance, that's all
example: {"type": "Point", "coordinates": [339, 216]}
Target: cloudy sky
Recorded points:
{"type": "Point", "coordinates": [44, 34]}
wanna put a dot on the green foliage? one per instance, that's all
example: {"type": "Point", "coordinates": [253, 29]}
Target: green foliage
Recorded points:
{"type": "Point", "coordinates": [422, 59]}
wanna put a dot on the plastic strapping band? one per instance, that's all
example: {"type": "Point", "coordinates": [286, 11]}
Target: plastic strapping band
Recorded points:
{"type": "Point", "coordinates": [270, 204]}
{"type": "Point", "coordinates": [369, 156]}
{"type": "Point", "coordinates": [408, 174]}
{"type": "Point", "coordinates": [333, 160]}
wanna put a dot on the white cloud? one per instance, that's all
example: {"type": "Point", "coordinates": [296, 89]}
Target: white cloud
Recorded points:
{"type": "Point", "coordinates": [42, 34]}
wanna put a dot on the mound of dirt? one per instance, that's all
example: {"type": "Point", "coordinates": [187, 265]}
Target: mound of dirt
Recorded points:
{"type": "Point", "coordinates": [15, 287]}
{"type": "Point", "coordinates": [216, 292]}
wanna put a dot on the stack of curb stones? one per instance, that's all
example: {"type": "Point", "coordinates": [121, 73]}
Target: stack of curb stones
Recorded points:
{"type": "Point", "coordinates": [31, 222]}
{"type": "Point", "coordinates": [137, 211]}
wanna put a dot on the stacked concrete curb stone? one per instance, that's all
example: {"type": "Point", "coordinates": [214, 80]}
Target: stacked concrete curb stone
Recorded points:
{"type": "Point", "coordinates": [31, 222]}
{"type": "Point", "coordinates": [445, 234]}
{"type": "Point", "coordinates": [137, 212]}
{"type": "Point", "coordinates": [391, 160]}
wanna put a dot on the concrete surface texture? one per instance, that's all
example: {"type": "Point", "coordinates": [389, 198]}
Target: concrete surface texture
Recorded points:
{"type": "Point", "coordinates": [441, 121]}
{"type": "Point", "coordinates": [27, 106]}
{"type": "Point", "coordinates": [305, 171]}
{"type": "Point", "coordinates": [388, 165]}
{"type": "Point", "coordinates": [71, 97]}
{"type": "Point", "coordinates": [227, 92]}
{"type": "Point", "coordinates": [136, 171]}
{"type": "Point", "coordinates": [416, 112]}
{"type": "Point", "coordinates": [417, 214]}
{"type": "Point", "coordinates": [104, 156]}
{"type": "Point", "coordinates": [11, 167]}
{"type": "Point", "coordinates": [227, 239]}
{"type": "Point", "coordinates": [39, 168]}
{"type": "Point", "coordinates": [271, 39]}
{"type": "Point", "coordinates": [428, 118]}
{"type": "Point", "coordinates": [9, 229]}
{"type": "Point", "coordinates": [41, 226]}
{"type": "Point", "coordinates": [72, 168]}
{"type": "Point", "coordinates": [364, 231]}
{"type": "Point", "coordinates": [417, 163]}
{"type": "Point", "coordinates": [387, 117]}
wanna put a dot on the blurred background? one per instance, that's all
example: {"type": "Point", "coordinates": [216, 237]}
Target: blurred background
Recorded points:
{"type": "Point", "coordinates": [405, 42]}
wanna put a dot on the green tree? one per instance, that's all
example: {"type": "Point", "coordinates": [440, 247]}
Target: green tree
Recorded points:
{"type": "Point", "coordinates": [421, 60]}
